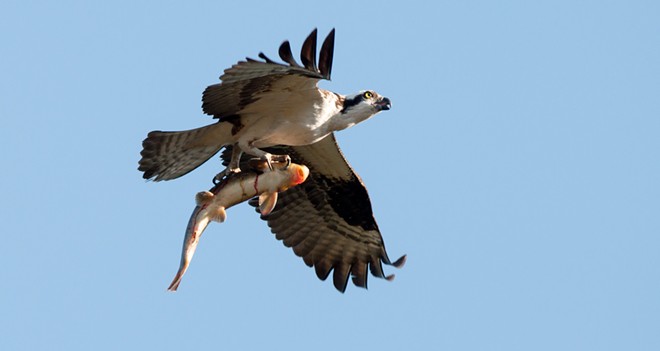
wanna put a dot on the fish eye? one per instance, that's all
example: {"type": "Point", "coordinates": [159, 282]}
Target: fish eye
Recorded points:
{"type": "Point", "coordinates": [368, 95]}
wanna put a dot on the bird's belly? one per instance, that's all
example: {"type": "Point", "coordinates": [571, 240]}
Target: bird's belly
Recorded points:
{"type": "Point", "coordinates": [272, 131]}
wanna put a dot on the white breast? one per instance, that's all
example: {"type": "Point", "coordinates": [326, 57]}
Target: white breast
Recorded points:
{"type": "Point", "coordinates": [288, 118]}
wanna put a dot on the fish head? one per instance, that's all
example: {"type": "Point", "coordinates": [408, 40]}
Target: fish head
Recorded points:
{"type": "Point", "coordinates": [297, 174]}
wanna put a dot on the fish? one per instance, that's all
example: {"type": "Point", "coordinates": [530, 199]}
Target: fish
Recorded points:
{"type": "Point", "coordinates": [234, 189]}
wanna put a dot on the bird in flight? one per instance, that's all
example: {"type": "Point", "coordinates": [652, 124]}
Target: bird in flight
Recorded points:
{"type": "Point", "coordinates": [276, 111]}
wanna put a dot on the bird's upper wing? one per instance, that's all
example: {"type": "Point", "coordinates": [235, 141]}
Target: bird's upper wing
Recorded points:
{"type": "Point", "coordinates": [246, 81]}
{"type": "Point", "coordinates": [328, 220]}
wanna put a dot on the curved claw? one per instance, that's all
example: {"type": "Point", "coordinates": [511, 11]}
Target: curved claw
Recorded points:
{"type": "Point", "coordinates": [226, 173]}
{"type": "Point", "coordinates": [273, 162]}
{"type": "Point", "coordinates": [269, 162]}
{"type": "Point", "coordinates": [218, 177]}
{"type": "Point", "coordinates": [286, 159]}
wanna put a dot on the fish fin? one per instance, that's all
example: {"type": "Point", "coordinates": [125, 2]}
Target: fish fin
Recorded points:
{"type": "Point", "coordinates": [203, 197]}
{"type": "Point", "coordinates": [219, 215]}
{"type": "Point", "coordinates": [267, 202]}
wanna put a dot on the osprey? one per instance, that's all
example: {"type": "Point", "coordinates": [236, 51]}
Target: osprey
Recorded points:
{"type": "Point", "coordinates": [277, 112]}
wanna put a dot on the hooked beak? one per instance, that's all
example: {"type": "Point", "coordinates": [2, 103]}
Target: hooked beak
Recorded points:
{"type": "Point", "coordinates": [383, 104]}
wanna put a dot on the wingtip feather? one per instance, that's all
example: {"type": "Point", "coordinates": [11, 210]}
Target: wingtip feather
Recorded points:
{"type": "Point", "coordinates": [340, 276]}
{"type": "Point", "coordinates": [400, 262]}
{"type": "Point", "coordinates": [286, 55]}
{"type": "Point", "coordinates": [308, 52]}
{"type": "Point", "coordinates": [326, 55]}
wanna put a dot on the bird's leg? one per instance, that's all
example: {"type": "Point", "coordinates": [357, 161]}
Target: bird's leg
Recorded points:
{"type": "Point", "coordinates": [235, 162]}
{"type": "Point", "coordinates": [233, 167]}
{"type": "Point", "coordinates": [267, 157]}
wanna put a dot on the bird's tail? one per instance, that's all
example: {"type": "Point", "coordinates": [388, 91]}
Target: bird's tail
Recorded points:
{"type": "Point", "coordinates": [169, 155]}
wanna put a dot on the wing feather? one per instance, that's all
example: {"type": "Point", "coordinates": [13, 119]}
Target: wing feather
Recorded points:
{"type": "Point", "coordinates": [376, 268]}
{"type": "Point", "coordinates": [328, 220]}
{"type": "Point", "coordinates": [264, 57]}
{"type": "Point", "coordinates": [323, 268]}
{"type": "Point", "coordinates": [286, 55]}
{"type": "Point", "coordinates": [247, 81]}
{"type": "Point", "coordinates": [340, 276]}
{"type": "Point", "coordinates": [325, 57]}
{"type": "Point", "coordinates": [359, 274]}
{"type": "Point", "coordinates": [308, 52]}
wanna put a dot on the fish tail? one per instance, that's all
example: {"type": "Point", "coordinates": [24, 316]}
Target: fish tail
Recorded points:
{"type": "Point", "coordinates": [177, 280]}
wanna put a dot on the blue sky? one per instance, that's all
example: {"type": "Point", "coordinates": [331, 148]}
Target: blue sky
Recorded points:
{"type": "Point", "coordinates": [518, 169]}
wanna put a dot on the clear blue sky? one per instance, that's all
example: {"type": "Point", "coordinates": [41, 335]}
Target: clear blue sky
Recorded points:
{"type": "Point", "coordinates": [519, 169]}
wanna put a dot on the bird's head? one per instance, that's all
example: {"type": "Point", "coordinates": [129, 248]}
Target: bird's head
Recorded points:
{"type": "Point", "coordinates": [363, 105]}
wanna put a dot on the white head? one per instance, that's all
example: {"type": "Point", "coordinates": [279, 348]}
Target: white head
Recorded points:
{"type": "Point", "coordinates": [361, 106]}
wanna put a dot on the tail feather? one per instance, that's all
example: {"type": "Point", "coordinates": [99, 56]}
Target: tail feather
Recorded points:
{"type": "Point", "coordinates": [169, 155]}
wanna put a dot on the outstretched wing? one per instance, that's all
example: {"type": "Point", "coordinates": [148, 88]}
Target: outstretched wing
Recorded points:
{"type": "Point", "coordinates": [246, 81]}
{"type": "Point", "coordinates": [328, 220]}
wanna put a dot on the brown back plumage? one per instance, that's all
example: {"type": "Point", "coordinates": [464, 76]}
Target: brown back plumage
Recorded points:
{"type": "Point", "coordinates": [245, 81]}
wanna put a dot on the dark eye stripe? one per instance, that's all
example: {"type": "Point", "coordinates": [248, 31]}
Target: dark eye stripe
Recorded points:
{"type": "Point", "coordinates": [348, 103]}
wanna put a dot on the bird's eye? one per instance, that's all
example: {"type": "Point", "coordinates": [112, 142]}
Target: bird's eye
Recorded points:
{"type": "Point", "coordinates": [368, 95]}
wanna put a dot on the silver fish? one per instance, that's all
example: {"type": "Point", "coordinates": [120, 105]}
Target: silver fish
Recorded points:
{"type": "Point", "coordinates": [237, 188]}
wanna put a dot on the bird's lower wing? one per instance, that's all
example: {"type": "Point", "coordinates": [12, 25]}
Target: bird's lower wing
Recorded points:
{"type": "Point", "coordinates": [328, 220]}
